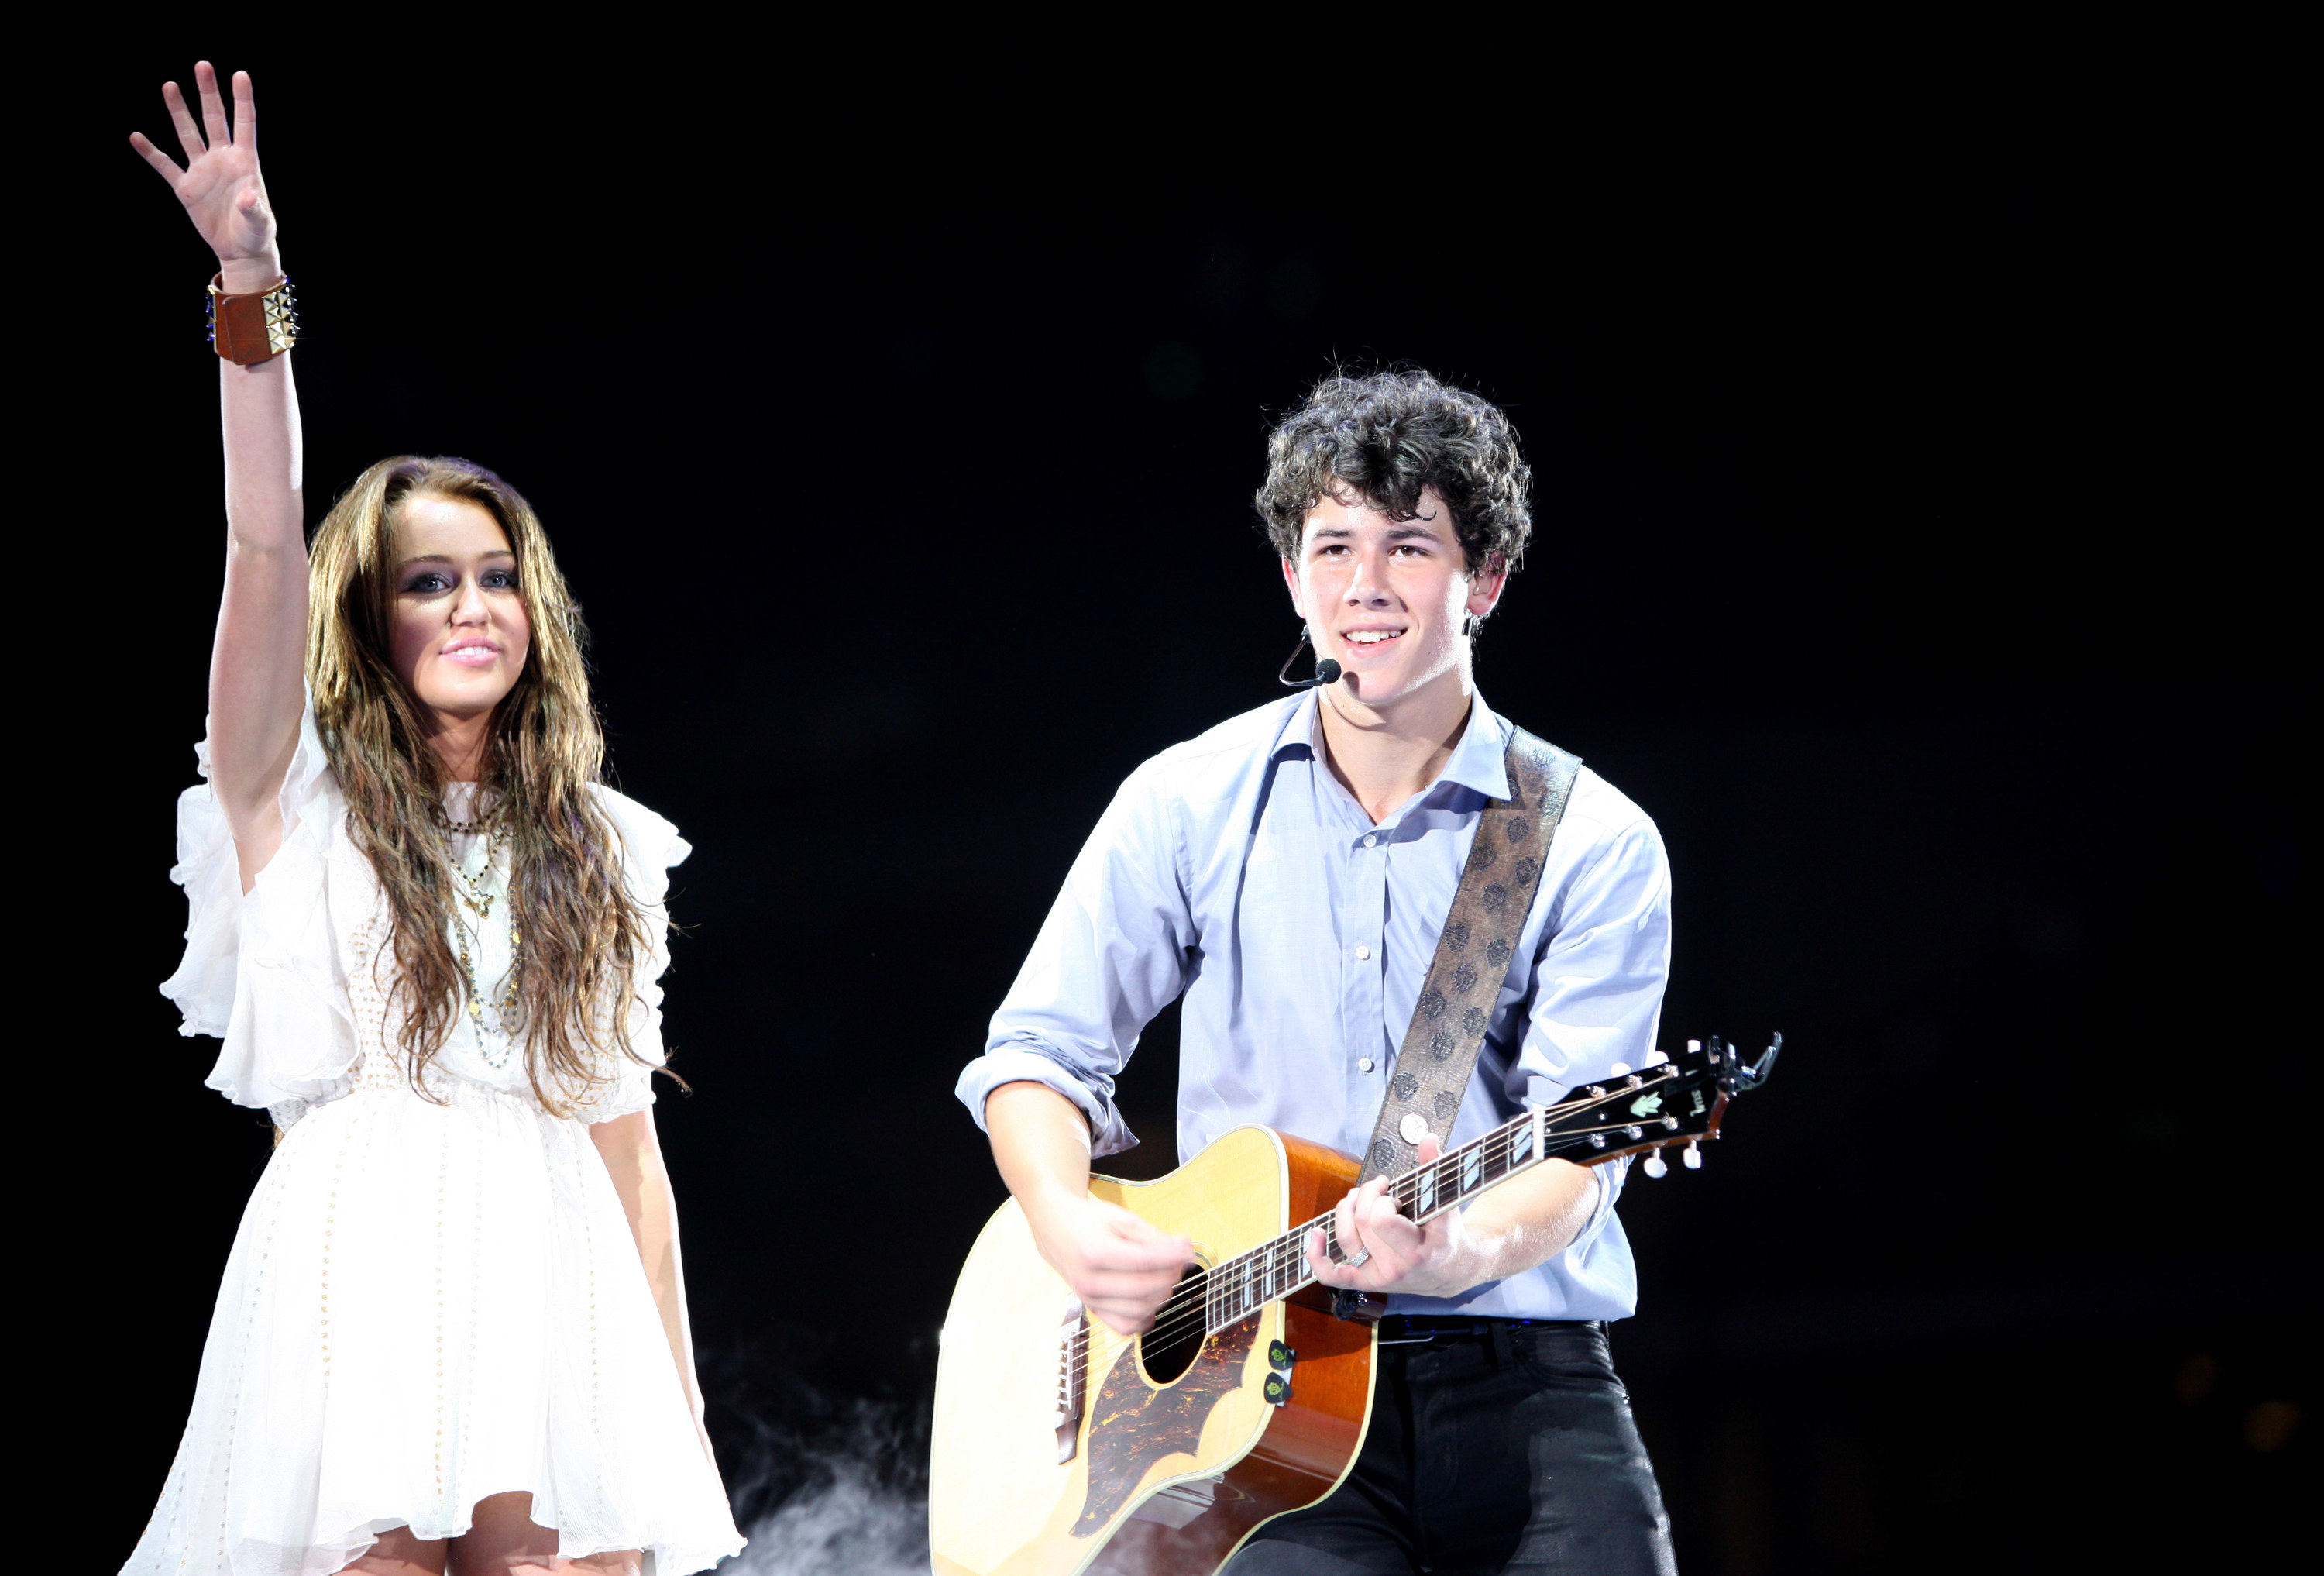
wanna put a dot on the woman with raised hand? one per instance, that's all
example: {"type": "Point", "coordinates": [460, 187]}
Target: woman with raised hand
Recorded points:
{"type": "Point", "coordinates": [452, 1336]}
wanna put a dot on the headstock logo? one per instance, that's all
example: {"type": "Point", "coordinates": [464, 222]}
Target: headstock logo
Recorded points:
{"type": "Point", "coordinates": [1647, 1104]}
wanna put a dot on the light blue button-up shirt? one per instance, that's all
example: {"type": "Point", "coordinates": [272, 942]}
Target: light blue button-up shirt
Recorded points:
{"type": "Point", "coordinates": [1235, 868]}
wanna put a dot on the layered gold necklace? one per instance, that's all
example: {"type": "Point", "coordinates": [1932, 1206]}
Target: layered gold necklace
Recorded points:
{"type": "Point", "coordinates": [478, 899]}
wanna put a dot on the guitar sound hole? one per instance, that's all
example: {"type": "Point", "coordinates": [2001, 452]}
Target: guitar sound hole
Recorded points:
{"type": "Point", "coordinates": [1168, 1348]}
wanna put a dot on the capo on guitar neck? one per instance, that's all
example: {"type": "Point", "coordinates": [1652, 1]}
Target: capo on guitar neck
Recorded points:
{"type": "Point", "coordinates": [1733, 1076]}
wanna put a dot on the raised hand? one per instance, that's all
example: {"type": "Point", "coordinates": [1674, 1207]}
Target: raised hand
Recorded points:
{"type": "Point", "coordinates": [257, 662]}
{"type": "Point", "coordinates": [221, 187]}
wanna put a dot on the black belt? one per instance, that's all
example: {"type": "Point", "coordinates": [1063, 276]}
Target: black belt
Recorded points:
{"type": "Point", "coordinates": [1420, 1329]}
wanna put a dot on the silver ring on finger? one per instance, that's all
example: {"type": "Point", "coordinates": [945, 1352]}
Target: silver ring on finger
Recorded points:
{"type": "Point", "coordinates": [1360, 1260]}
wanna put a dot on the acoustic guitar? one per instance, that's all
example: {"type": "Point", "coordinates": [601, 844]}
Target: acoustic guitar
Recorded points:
{"type": "Point", "coordinates": [1061, 1448]}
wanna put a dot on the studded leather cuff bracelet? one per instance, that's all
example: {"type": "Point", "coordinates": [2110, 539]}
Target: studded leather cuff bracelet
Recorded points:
{"type": "Point", "coordinates": [246, 330]}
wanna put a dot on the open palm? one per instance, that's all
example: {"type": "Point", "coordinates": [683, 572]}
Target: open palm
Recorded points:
{"type": "Point", "coordinates": [221, 189]}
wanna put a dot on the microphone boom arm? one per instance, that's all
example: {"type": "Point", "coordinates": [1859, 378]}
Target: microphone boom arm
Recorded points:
{"type": "Point", "coordinates": [1326, 670]}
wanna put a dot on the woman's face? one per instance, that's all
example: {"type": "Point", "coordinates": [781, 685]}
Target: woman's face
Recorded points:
{"type": "Point", "coordinates": [460, 631]}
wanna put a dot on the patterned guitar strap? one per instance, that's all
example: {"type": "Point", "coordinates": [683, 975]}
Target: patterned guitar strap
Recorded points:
{"type": "Point", "coordinates": [1440, 1049]}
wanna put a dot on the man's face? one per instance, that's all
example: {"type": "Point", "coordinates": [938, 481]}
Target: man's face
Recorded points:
{"type": "Point", "coordinates": [1385, 598]}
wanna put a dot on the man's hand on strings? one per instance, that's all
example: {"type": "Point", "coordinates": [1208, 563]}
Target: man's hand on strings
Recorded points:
{"type": "Point", "coordinates": [1388, 1253]}
{"type": "Point", "coordinates": [220, 186]}
{"type": "Point", "coordinates": [1120, 1265]}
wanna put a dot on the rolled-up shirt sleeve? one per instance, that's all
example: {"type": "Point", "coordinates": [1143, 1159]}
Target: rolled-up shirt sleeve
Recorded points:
{"type": "Point", "coordinates": [1110, 955]}
{"type": "Point", "coordinates": [1598, 978]}
{"type": "Point", "coordinates": [1598, 987]}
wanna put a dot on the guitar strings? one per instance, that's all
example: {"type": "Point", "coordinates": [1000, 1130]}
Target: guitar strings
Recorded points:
{"type": "Point", "coordinates": [1494, 1146]}
{"type": "Point", "coordinates": [1182, 1305]}
{"type": "Point", "coordinates": [1192, 1294]}
{"type": "Point", "coordinates": [1192, 1297]}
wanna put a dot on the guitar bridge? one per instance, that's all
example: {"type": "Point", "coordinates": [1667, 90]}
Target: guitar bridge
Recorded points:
{"type": "Point", "coordinates": [1073, 1385]}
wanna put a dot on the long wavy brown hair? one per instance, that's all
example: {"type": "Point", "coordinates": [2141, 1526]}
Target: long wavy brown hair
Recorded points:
{"type": "Point", "coordinates": [583, 935]}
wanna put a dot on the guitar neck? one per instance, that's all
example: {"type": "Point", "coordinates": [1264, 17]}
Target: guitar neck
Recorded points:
{"type": "Point", "coordinates": [1603, 1124]}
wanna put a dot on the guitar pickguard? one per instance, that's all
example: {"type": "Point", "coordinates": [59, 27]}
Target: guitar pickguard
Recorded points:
{"type": "Point", "coordinates": [1133, 1425]}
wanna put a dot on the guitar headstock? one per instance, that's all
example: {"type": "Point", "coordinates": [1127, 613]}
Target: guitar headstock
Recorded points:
{"type": "Point", "coordinates": [1679, 1100]}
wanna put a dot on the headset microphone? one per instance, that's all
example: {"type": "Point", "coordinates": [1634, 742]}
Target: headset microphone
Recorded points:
{"type": "Point", "coordinates": [1326, 670]}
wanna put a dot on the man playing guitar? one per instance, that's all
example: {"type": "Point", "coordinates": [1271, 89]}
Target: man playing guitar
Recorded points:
{"type": "Point", "coordinates": [1289, 872]}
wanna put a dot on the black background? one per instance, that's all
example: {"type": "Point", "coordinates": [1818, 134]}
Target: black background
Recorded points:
{"type": "Point", "coordinates": [1915, 542]}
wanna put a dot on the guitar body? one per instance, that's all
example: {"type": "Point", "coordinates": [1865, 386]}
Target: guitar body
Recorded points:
{"type": "Point", "coordinates": [1060, 1448]}
{"type": "Point", "coordinates": [1162, 1478]}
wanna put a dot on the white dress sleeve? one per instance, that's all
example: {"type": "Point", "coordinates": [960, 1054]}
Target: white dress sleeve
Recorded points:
{"type": "Point", "coordinates": [650, 845]}
{"type": "Point", "coordinates": [260, 969]}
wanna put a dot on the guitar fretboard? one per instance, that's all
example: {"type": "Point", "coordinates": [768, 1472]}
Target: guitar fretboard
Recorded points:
{"type": "Point", "coordinates": [1240, 1287]}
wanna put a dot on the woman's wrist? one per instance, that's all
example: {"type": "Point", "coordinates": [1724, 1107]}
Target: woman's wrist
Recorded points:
{"type": "Point", "coordinates": [250, 276]}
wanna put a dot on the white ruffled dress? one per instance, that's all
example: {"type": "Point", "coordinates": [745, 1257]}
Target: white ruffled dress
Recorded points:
{"type": "Point", "coordinates": [427, 1302]}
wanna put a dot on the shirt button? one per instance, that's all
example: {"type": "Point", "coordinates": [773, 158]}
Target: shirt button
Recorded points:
{"type": "Point", "coordinates": [1371, 840]}
{"type": "Point", "coordinates": [1363, 952]}
{"type": "Point", "coordinates": [1363, 1063]}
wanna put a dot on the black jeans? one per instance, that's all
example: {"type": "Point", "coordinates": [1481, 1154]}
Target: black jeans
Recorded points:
{"type": "Point", "coordinates": [1501, 1445]}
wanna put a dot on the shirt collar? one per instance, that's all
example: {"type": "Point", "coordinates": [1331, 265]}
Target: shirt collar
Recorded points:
{"type": "Point", "coordinates": [1479, 760]}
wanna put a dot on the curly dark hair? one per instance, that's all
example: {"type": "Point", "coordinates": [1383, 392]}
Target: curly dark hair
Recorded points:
{"type": "Point", "coordinates": [1386, 434]}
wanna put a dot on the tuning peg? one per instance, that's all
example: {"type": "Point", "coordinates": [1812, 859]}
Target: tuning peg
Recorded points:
{"type": "Point", "coordinates": [1654, 1167]}
{"type": "Point", "coordinates": [1693, 1156]}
